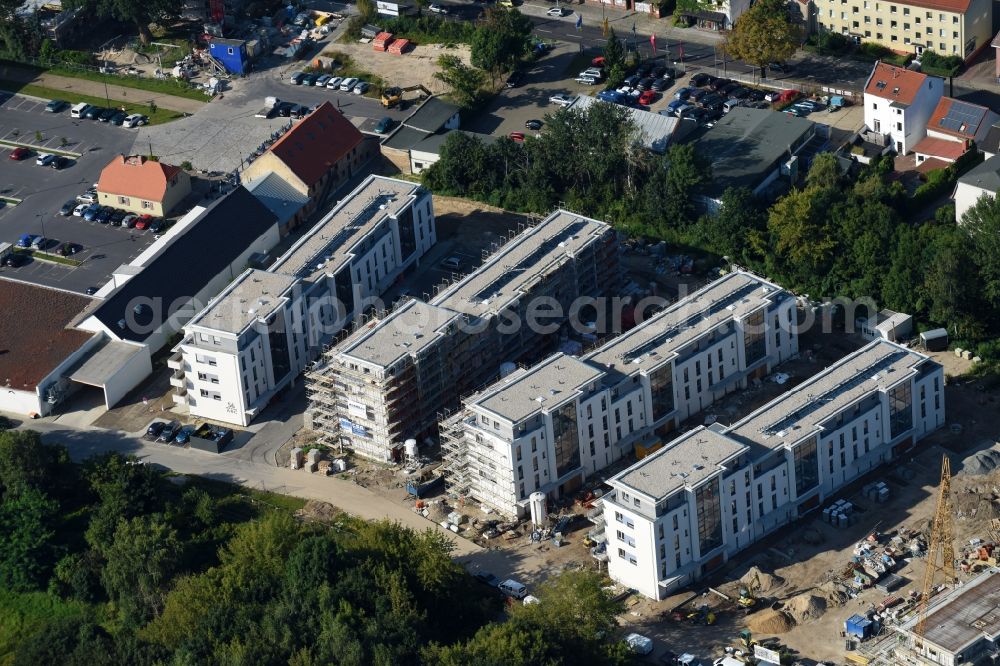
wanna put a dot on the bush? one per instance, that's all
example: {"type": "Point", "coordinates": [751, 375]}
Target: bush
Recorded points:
{"type": "Point", "coordinates": [934, 63]}
{"type": "Point", "coordinates": [873, 50]}
{"type": "Point", "coordinates": [830, 42]}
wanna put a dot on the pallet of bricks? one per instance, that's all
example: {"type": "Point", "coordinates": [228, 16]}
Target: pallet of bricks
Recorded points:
{"type": "Point", "coordinates": [840, 514]}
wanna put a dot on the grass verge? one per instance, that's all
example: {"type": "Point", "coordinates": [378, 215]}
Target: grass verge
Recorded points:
{"type": "Point", "coordinates": [343, 65]}
{"type": "Point", "coordinates": [222, 490]}
{"type": "Point", "coordinates": [12, 201]}
{"type": "Point", "coordinates": [54, 258]}
{"type": "Point", "coordinates": [162, 86]}
{"type": "Point", "coordinates": [155, 117]}
{"type": "Point", "coordinates": [41, 149]}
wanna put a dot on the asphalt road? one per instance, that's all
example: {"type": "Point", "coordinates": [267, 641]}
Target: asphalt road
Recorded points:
{"type": "Point", "coordinates": [44, 190]}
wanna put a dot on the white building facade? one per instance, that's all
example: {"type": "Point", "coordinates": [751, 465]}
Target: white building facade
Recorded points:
{"type": "Point", "coordinates": [899, 103]}
{"type": "Point", "coordinates": [256, 338]}
{"type": "Point", "coordinates": [623, 397]}
{"type": "Point", "coordinates": [684, 511]}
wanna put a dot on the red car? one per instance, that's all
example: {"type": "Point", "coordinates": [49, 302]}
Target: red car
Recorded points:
{"type": "Point", "coordinates": [597, 62]}
{"type": "Point", "coordinates": [144, 221]}
{"type": "Point", "coordinates": [20, 154]}
{"type": "Point", "coordinates": [517, 137]}
{"type": "Point", "coordinates": [647, 97]}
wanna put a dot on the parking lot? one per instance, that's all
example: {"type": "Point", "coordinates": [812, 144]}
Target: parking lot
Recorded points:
{"type": "Point", "coordinates": [43, 192]}
{"type": "Point", "coordinates": [224, 133]}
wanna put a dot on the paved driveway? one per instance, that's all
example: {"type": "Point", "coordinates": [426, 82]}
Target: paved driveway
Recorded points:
{"type": "Point", "coordinates": [44, 190]}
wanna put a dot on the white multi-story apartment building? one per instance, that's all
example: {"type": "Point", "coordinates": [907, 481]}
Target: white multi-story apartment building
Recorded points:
{"type": "Point", "coordinates": [259, 334]}
{"type": "Point", "coordinates": [625, 395]}
{"type": "Point", "coordinates": [899, 103]}
{"type": "Point", "coordinates": [389, 381]}
{"type": "Point", "coordinates": [682, 512]}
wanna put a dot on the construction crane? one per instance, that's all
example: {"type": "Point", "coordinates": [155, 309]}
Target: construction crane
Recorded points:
{"type": "Point", "coordinates": [941, 552]}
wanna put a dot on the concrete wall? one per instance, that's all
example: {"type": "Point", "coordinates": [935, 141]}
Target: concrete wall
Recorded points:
{"type": "Point", "coordinates": [966, 196]}
{"type": "Point", "coordinates": [129, 376]}
{"type": "Point", "coordinates": [17, 401]}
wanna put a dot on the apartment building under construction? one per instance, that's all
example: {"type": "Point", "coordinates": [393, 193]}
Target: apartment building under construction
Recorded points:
{"type": "Point", "coordinates": [392, 377]}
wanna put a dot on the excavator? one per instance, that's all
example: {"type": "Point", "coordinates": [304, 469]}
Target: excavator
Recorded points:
{"type": "Point", "coordinates": [393, 96]}
{"type": "Point", "coordinates": [748, 594]}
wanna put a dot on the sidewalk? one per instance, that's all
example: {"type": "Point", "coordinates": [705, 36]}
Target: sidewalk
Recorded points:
{"type": "Point", "coordinates": [99, 89]}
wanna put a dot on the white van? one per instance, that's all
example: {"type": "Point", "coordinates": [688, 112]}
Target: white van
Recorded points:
{"type": "Point", "coordinates": [731, 104]}
{"type": "Point", "coordinates": [78, 110]}
{"type": "Point", "coordinates": [514, 589]}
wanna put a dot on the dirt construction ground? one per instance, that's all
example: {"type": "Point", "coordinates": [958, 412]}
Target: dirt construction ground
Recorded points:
{"type": "Point", "coordinates": [414, 68]}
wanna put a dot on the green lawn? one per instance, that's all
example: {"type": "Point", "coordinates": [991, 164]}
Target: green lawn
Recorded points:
{"type": "Point", "coordinates": [159, 116]}
{"type": "Point", "coordinates": [23, 614]}
{"type": "Point", "coordinates": [164, 86]}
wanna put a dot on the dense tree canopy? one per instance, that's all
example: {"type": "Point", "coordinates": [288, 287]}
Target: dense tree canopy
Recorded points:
{"type": "Point", "coordinates": [764, 34]}
{"type": "Point", "coordinates": [501, 39]}
{"type": "Point", "coordinates": [139, 13]}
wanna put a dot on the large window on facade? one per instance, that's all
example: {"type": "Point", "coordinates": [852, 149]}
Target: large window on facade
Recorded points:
{"type": "Point", "coordinates": [900, 410]}
{"type": "Point", "coordinates": [754, 344]}
{"type": "Point", "coordinates": [564, 431]}
{"type": "Point", "coordinates": [709, 510]}
{"type": "Point", "coordinates": [407, 233]}
{"type": "Point", "coordinates": [661, 384]}
{"type": "Point", "coordinates": [806, 467]}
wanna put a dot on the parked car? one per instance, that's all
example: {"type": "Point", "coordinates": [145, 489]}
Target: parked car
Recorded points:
{"type": "Point", "coordinates": [154, 429]}
{"type": "Point", "coordinates": [562, 100]}
{"type": "Point", "coordinates": [45, 159]}
{"type": "Point", "coordinates": [15, 259]}
{"type": "Point", "coordinates": [586, 80]}
{"type": "Point", "coordinates": [739, 92]}
{"type": "Point", "coordinates": [60, 162]}
{"type": "Point", "coordinates": [296, 78]}
{"type": "Point", "coordinates": [597, 62]}
{"type": "Point", "coordinates": [672, 107]}
{"type": "Point", "coordinates": [56, 105]}
{"type": "Point", "coordinates": [106, 115]}
{"type": "Point", "coordinates": [594, 72]}
{"type": "Point", "coordinates": [19, 154]}
{"type": "Point", "coordinates": [129, 220]}
{"type": "Point", "coordinates": [117, 216]}
{"type": "Point", "coordinates": [756, 95]}
{"type": "Point", "coordinates": [698, 94]}
{"type": "Point", "coordinates": [639, 644]}
{"type": "Point", "coordinates": [25, 240]}
{"type": "Point", "coordinates": [514, 79]}
{"type": "Point", "coordinates": [727, 90]}
{"type": "Point", "coordinates": [361, 88]}
{"type": "Point", "coordinates": [309, 79]}
{"type": "Point", "coordinates": [719, 84]}
{"type": "Point", "coordinates": [94, 112]}
{"type": "Point", "coordinates": [184, 433]}
{"type": "Point", "coordinates": [683, 108]}
{"type": "Point", "coordinates": [438, 9]}
{"type": "Point", "coordinates": [645, 83]}
{"type": "Point", "coordinates": [453, 263]}
{"type": "Point", "coordinates": [348, 84]}
{"type": "Point", "coordinates": [168, 431]}
{"type": "Point", "coordinates": [105, 215]}
{"type": "Point", "coordinates": [384, 125]}
{"type": "Point", "coordinates": [334, 82]}
{"type": "Point", "coordinates": [533, 124]}
{"type": "Point", "coordinates": [67, 208]}
{"type": "Point", "coordinates": [144, 221]}
{"type": "Point", "coordinates": [659, 85]}
{"type": "Point", "coordinates": [647, 97]}
{"type": "Point", "coordinates": [135, 120]}
{"type": "Point", "coordinates": [322, 81]}
{"type": "Point", "coordinates": [486, 578]}
{"type": "Point", "coordinates": [157, 225]}
{"type": "Point", "coordinates": [659, 71]}
{"type": "Point", "coordinates": [513, 588]}
{"type": "Point", "coordinates": [87, 197]}
{"type": "Point", "coordinates": [631, 81]}
{"type": "Point", "coordinates": [558, 12]}
{"type": "Point", "coordinates": [702, 79]}
{"type": "Point", "coordinates": [696, 114]}
{"type": "Point", "coordinates": [81, 209]}
{"type": "Point", "coordinates": [119, 118]}
{"type": "Point", "coordinates": [92, 212]}
{"type": "Point", "coordinates": [682, 94]}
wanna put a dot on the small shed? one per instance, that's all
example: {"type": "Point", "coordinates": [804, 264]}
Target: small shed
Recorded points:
{"type": "Point", "coordinates": [399, 47]}
{"type": "Point", "coordinates": [934, 340]}
{"type": "Point", "coordinates": [382, 41]}
{"type": "Point", "coordinates": [860, 626]}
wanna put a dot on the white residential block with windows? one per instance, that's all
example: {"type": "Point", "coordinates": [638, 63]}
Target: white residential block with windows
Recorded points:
{"type": "Point", "coordinates": [256, 337]}
{"type": "Point", "coordinates": [622, 397]}
{"type": "Point", "coordinates": [684, 511]}
{"type": "Point", "coordinates": [899, 103]}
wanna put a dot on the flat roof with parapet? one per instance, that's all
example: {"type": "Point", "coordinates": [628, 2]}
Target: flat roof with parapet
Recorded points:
{"type": "Point", "coordinates": [328, 245]}
{"type": "Point", "coordinates": [799, 411]}
{"type": "Point", "coordinates": [685, 462]}
{"type": "Point", "coordinates": [964, 615]}
{"type": "Point", "coordinates": [513, 269]}
{"type": "Point", "coordinates": [408, 330]}
{"type": "Point", "coordinates": [254, 295]}
{"type": "Point", "coordinates": [527, 391]}
{"type": "Point", "coordinates": [657, 339]}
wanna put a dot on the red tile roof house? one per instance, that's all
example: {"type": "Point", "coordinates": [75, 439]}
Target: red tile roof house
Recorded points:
{"type": "Point", "coordinates": [898, 105]}
{"type": "Point", "coordinates": [954, 127]}
{"type": "Point", "coordinates": [141, 185]}
{"type": "Point", "coordinates": [318, 155]}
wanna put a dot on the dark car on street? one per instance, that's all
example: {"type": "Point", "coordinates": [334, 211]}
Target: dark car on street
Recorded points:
{"type": "Point", "coordinates": [67, 208]}
{"type": "Point", "coordinates": [94, 112]}
{"type": "Point", "coordinates": [154, 429]}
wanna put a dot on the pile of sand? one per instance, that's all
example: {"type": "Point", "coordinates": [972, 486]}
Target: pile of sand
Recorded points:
{"type": "Point", "coordinates": [805, 607]}
{"type": "Point", "coordinates": [323, 512]}
{"type": "Point", "coordinates": [767, 581]}
{"type": "Point", "coordinates": [982, 462]}
{"type": "Point", "coordinates": [832, 593]}
{"type": "Point", "coordinates": [770, 622]}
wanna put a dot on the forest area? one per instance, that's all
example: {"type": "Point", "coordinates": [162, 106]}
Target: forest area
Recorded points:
{"type": "Point", "coordinates": [838, 233]}
{"type": "Point", "coordinates": [114, 562]}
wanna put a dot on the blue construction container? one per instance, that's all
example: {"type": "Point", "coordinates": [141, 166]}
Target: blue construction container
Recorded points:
{"type": "Point", "coordinates": [860, 626]}
{"type": "Point", "coordinates": [232, 53]}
